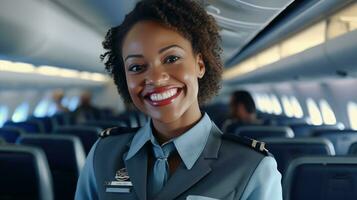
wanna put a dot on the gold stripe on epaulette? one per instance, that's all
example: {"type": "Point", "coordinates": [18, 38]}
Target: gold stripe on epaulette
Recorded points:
{"type": "Point", "coordinates": [106, 132]}
{"type": "Point", "coordinates": [262, 146]}
{"type": "Point", "coordinates": [254, 143]}
{"type": "Point", "coordinates": [102, 133]}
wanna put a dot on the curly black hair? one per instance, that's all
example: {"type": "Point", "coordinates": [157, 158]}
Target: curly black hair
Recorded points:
{"type": "Point", "coordinates": [187, 18]}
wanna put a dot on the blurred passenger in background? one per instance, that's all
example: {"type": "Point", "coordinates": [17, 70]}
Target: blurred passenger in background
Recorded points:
{"type": "Point", "coordinates": [57, 97]}
{"type": "Point", "coordinates": [86, 111]}
{"type": "Point", "coordinates": [243, 112]}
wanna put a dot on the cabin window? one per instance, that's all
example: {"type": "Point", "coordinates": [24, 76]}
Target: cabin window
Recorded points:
{"type": "Point", "coordinates": [260, 103]}
{"type": "Point", "coordinates": [52, 109]}
{"type": "Point", "coordinates": [297, 110]}
{"type": "Point", "coordinates": [352, 114]}
{"type": "Point", "coordinates": [4, 112]}
{"type": "Point", "coordinates": [41, 108]}
{"type": "Point", "coordinates": [73, 103]}
{"type": "Point", "coordinates": [267, 104]}
{"type": "Point", "coordinates": [65, 101]}
{"type": "Point", "coordinates": [256, 101]}
{"type": "Point", "coordinates": [276, 105]}
{"type": "Point", "coordinates": [288, 109]}
{"type": "Point", "coordinates": [327, 113]}
{"type": "Point", "coordinates": [21, 112]}
{"type": "Point", "coordinates": [314, 112]}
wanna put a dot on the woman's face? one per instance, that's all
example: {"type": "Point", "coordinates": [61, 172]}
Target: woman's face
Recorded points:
{"type": "Point", "coordinates": [162, 72]}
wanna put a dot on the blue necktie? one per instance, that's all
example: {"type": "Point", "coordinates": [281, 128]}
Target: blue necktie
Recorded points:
{"type": "Point", "coordinates": [161, 170]}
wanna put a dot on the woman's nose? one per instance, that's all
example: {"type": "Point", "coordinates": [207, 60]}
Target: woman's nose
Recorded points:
{"type": "Point", "coordinates": [157, 76]}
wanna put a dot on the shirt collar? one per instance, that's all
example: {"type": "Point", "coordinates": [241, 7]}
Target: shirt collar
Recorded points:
{"type": "Point", "coordinates": [140, 138]}
{"type": "Point", "coordinates": [189, 145]}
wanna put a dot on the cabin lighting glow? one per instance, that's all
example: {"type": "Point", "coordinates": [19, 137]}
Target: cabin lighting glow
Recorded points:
{"type": "Point", "coordinates": [352, 114]}
{"type": "Point", "coordinates": [48, 71]}
{"type": "Point", "coordinates": [268, 56]}
{"type": "Point", "coordinates": [314, 112]}
{"type": "Point", "coordinates": [98, 77]}
{"type": "Point", "coordinates": [328, 115]}
{"type": "Point", "coordinates": [18, 67]}
{"type": "Point", "coordinates": [304, 40]}
{"type": "Point", "coordinates": [69, 73]}
{"type": "Point", "coordinates": [85, 75]}
{"type": "Point", "coordinates": [244, 67]}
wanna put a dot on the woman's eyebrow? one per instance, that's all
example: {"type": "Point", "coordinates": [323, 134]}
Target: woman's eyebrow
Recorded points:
{"type": "Point", "coordinates": [160, 51]}
{"type": "Point", "coordinates": [133, 56]}
{"type": "Point", "coordinates": [169, 47]}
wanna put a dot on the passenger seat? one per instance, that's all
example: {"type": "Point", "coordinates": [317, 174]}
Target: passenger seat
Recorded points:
{"type": "Point", "coordinates": [24, 174]}
{"type": "Point", "coordinates": [66, 158]}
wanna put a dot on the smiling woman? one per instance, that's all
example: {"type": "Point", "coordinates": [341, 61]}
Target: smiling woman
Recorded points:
{"type": "Point", "coordinates": [165, 59]}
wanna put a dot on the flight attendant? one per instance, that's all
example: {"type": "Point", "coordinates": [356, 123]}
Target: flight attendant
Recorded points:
{"type": "Point", "coordinates": [165, 59]}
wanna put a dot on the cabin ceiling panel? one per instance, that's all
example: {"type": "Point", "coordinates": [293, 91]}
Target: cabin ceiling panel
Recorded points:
{"type": "Point", "coordinates": [68, 33]}
{"type": "Point", "coordinates": [243, 18]}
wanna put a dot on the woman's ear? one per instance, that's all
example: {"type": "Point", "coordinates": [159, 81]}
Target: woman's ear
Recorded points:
{"type": "Point", "coordinates": [200, 66]}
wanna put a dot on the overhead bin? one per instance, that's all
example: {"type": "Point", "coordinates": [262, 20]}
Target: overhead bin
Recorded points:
{"type": "Point", "coordinates": [334, 57]}
{"type": "Point", "coordinates": [42, 33]}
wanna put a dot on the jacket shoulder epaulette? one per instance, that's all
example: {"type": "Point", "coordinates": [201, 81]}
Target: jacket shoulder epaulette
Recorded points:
{"type": "Point", "coordinates": [256, 145]}
{"type": "Point", "coordinates": [117, 131]}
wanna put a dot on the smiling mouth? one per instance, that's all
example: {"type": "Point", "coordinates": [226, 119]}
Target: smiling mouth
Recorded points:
{"type": "Point", "coordinates": [162, 97]}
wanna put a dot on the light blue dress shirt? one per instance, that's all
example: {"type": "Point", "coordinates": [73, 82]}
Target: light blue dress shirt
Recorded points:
{"type": "Point", "coordinates": [265, 183]}
{"type": "Point", "coordinates": [189, 145]}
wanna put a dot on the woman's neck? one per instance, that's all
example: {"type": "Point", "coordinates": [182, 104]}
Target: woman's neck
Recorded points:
{"type": "Point", "coordinates": [166, 131]}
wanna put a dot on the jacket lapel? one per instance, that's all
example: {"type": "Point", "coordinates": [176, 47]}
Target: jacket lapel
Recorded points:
{"type": "Point", "coordinates": [137, 169]}
{"type": "Point", "coordinates": [183, 179]}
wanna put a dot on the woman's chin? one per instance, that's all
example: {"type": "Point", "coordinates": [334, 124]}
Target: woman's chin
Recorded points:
{"type": "Point", "coordinates": [165, 119]}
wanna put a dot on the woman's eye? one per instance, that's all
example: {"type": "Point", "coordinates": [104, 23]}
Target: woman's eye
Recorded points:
{"type": "Point", "coordinates": [171, 59]}
{"type": "Point", "coordinates": [135, 68]}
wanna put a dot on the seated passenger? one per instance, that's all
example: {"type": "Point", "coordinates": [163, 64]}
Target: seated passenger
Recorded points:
{"type": "Point", "coordinates": [57, 97]}
{"type": "Point", "coordinates": [86, 110]}
{"type": "Point", "coordinates": [243, 112]}
{"type": "Point", "coordinates": [165, 59]}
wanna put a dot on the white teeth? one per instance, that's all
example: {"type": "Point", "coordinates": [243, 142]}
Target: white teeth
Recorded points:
{"type": "Point", "coordinates": [162, 96]}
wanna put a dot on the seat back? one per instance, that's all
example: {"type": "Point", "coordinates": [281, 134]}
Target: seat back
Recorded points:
{"type": "Point", "coordinates": [31, 126]}
{"type": "Point", "coordinates": [341, 139]}
{"type": "Point", "coordinates": [2, 141]}
{"type": "Point", "coordinates": [66, 157]}
{"type": "Point", "coordinates": [24, 174]}
{"type": "Point", "coordinates": [286, 121]}
{"type": "Point", "coordinates": [218, 112]}
{"type": "Point", "coordinates": [321, 178]}
{"type": "Point", "coordinates": [62, 119]}
{"type": "Point", "coordinates": [141, 118]}
{"type": "Point", "coordinates": [104, 124]}
{"type": "Point", "coordinates": [353, 149]}
{"type": "Point", "coordinates": [10, 134]}
{"type": "Point", "coordinates": [306, 130]}
{"type": "Point", "coordinates": [287, 149]}
{"type": "Point", "coordinates": [87, 134]}
{"type": "Point", "coordinates": [258, 132]}
{"type": "Point", "coordinates": [48, 123]}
